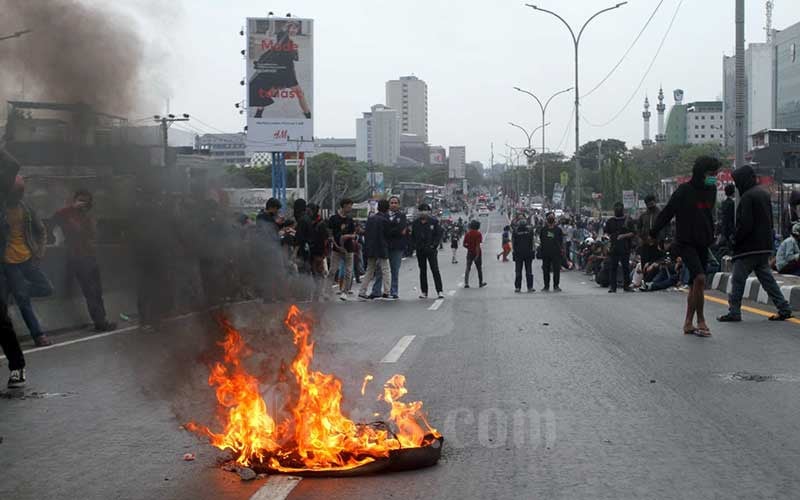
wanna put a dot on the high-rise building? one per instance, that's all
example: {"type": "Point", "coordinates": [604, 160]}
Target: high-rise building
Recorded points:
{"type": "Point", "coordinates": [787, 78]}
{"type": "Point", "coordinates": [378, 136]}
{"type": "Point", "coordinates": [457, 162]}
{"type": "Point", "coordinates": [409, 96]}
{"type": "Point", "coordinates": [705, 123]}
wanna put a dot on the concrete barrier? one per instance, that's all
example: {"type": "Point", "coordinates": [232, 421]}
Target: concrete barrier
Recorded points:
{"type": "Point", "coordinates": [790, 286]}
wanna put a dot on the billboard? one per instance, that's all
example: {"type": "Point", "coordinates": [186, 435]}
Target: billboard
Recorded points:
{"type": "Point", "coordinates": [280, 84]}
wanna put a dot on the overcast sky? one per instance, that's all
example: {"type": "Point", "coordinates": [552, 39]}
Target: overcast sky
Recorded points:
{"type": "Point", "coordinates": [471, 53]}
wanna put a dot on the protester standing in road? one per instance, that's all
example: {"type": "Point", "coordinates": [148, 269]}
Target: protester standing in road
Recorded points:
{"type": "Point", "coordinates": [317, 247]}
{"type": "Point", "coordinates": [551, 240]}
{"type": "Point", "coordinates": [9, 167]}
{"type": "Point", "coordinates": [649, 250]}
{"type": "Point", "coordinates": [25, 248]}
{"type": "Point", "coordinates": [787, 260]}
{"type": "Point", "coordinates": [376, 249]}
{"type": "Point", "coordinates": [396, 237]}
{"type": "Point", "coordinates": [752, 246]}
{"type": "Point", "coordinates": [472, 242]}
{"type": "Point", "coordinates": [343, 232]}
{"type": "Point", "coordinates": [692, 206]}
{"type": "Point", "coordinates": [506, 242]}
{"type": "Point", "coordinates": [727, 210]}
{"type": "Point", "coordinates": [455, 238]}
{"type": "Point", "coordinates": [522, 239]}
{"type": "Point", "coordinates": [619, 229]}
{"type": "Point", "coordinates": [426, 234]}
{"type": "Point", "coordinates": [79, 229]}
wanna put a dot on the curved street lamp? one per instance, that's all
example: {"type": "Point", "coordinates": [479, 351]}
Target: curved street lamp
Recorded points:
{"type": "Point", "coordinates": [576, 42]}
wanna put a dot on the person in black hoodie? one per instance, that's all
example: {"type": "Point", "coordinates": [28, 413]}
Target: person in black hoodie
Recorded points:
{"type": "Point", "coordinates": [426, 234]}
{"type": "Point", "coordinates": [376, 249]}
{"type": "Point", "coordinates": [752, 246]}
{"type": "Point", "coordinates": [8, 337]}
{"type": "Point", "coordinates": [397, 231]}
{"type": "Point", "coordinates": [692, 206]}
{"type": "Point", "coordinates": [727, 217]}
{"type": "Point", "coordinates": [790, 214]}
{"type": "Point", "coordinates": [620, 230]}
{"type": "Point", "coordinates": [551, 239]}
{"type": "Point", "coordinates": [522, 243]}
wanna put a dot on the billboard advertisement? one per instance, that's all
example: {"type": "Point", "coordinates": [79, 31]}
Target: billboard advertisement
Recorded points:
{"type": "Point", "coordinates": [280, 84]}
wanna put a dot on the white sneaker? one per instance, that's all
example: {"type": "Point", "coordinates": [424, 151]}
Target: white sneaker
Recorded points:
{"type": "Point", "coordinates": [440, 295]}
{"type": "Point", "coordinates": [343, 296]}
{"type": "Point", "coordinates": [17, 379]}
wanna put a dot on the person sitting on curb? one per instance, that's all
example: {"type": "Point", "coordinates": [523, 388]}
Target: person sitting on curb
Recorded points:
{"type": "Point", "coordinates": [787, 260]}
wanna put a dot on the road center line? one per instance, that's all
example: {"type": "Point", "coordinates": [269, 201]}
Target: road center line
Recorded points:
{"type": "Point", "coordinates": [76, 341]}
{"type": "Point", "coordinates": [436, 304]}
{"type": "Point", "coordinates": [398, 349]}
{"type": "Point", "coordinates": [752, 310]}
{"type": "Point", "coordinates": [276, 488]}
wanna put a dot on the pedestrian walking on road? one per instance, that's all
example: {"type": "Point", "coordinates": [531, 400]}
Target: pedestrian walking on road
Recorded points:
{"type": "Point", "coordinates": [9, 167]}
{"type": "Point", "coordinates": [752, 246]}
{"type": "Point", "coordinates": [692, 206]}
{"type": "Point", "coordinates": [727, 216]}
{"type": "Point", "coordinates": [620, 230]}
{"type": "Point", "coordinates": [426, 234]}
{"type": "Point", "coordinates": [343, 233]}
{"type": "Point", "coordinates": [787, 259]}
{"type": "Point", "coordinates": [472, 242]}
{"type": "Point", "coordinates": [23, 251]}
{"type": "Point", "coordinates": [551, 244]}
{"type": "Point", "coordinates": [376, 249]}
{"type": "Point", "coordinates": [522, 239]}
{"type": "Point", "coordinates": [455, 238]}
{"type": "Point", "coordinates": [396, 237]}
{"type": "Point", "coordinates": [506, 242]}
{"type": "Point", "coordinates": [79, 230]}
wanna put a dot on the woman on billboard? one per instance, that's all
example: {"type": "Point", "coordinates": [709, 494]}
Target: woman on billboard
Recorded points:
{"type": "Point", "coordinates": [275, 71]}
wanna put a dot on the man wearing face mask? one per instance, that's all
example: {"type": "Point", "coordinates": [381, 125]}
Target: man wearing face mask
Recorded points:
{"type": "Point", "coordinates": [692, 206]}
{"type": "Point", "coordinates": [753, 246]}
{"type": "Point", "coordinates": [618, 228]}
{"type": "Point", "coordinates": [551, 240]}
{"type": "Point", "coordinates": [78, 229]}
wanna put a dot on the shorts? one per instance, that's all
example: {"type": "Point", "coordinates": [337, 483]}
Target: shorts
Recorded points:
{"type": "Point", "coordinates": [694, 258]}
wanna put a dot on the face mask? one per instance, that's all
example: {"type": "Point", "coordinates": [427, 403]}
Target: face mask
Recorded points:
{"type": "Point", "coordinates": [711, 180]}
{"type": "Point", "coordinates": [618, 213]}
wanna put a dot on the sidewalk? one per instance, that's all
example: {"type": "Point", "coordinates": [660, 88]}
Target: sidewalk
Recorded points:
{"type": "Point", "coordinates": [790, 286]}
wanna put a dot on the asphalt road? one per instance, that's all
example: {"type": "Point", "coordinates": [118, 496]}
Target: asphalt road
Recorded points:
{"type": "Point", "coordinates": [581, 394]}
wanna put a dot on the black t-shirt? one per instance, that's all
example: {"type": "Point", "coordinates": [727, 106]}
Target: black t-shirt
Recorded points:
{"type": "Point", "coordinates": [341, 226]}
{"type": "Point", "coordinates": [615, 227]}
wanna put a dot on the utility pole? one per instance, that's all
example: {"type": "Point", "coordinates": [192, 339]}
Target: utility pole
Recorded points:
{"type": "Point", "coordinates": [576, 42]}
{"type": "Point", "coordinates": [599, 155]}
{"type": "Point", "coordinates": [543, 108]}
{"type": "Point", "coordinates": [740, 138]}
{"type": "Point", "coordinates": [166, 122]}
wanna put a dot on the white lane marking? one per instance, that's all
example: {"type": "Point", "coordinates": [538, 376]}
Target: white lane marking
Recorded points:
{"type": "Point", "coordinates": [398, 349]}
{"type": "Point", "coordinates": [76, 341]}
{"type": "Point", "coordinates": [461, 285]}
{"type": "Point", "coordinates": [436, 304]}
{"type": "Point", "coordinates": [276, 488]}
{"type": "Point", "coordinates": [451, 293]}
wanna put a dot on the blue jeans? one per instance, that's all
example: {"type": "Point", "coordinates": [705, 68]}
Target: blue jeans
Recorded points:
{"type": "Point", "coordinates": [26, 281]}
{"type": "Point", "coordinates": [395, 259]}
{"type": "Point", "coordinates": [758, 264]}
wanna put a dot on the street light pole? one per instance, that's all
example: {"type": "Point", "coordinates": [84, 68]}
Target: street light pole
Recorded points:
{"type": "Point", "coordinates": [576, 42]}
{"type": "Point", "coordinates": [543, 107]}
{"type": "Point", "coordinates": [530, 152]}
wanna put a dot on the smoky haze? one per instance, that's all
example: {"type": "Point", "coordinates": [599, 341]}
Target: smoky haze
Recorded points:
{"type": "Point", "coordinates": [77, 52]}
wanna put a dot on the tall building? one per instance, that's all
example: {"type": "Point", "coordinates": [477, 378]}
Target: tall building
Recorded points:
{"type": "Point", "coordinates": [438, 155]}
{"type": "Point", "coordinates": [457, 162]}
{"type": "Point", "coordinates": [787, 78]}
{"type": "Point", "coordinates": [409, 95]}
{"type": "Point", "coordinates": [705, 123]}
{"type": "Point", "coordinates": [646, 116]}
{"type": "Point", "coordinates": [378, 136]}
{"type": "Point", "coordinates": [729, 99]}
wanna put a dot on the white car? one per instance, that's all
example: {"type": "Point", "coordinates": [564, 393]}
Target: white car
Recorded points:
{"type": "Point", "coordinates": [483, 212]}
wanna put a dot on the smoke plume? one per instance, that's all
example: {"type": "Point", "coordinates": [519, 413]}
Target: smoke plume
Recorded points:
{"type": "Point", "coordinates": [77, 52]}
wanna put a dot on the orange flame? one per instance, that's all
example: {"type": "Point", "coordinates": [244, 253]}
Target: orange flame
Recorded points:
{"type": "Point", "coordinates": [317, 435]}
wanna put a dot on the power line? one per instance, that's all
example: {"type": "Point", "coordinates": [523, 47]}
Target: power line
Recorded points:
{"type": "Point", "coordinates": [566, 130]}
{"type": "Point", "coordinates": [635, 40]}
{"type": "Point", "coordinates": [647, 72]}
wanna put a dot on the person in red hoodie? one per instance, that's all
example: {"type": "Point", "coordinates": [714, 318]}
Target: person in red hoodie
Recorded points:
{"type": "Point", "coordinates": [78, 228]}
{"type": "Point", "coordinates": [472, 242]}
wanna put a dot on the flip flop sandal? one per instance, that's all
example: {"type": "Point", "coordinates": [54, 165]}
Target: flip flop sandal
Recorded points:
{"type": "Point", "coordinates": [701, 332]}
{"type": "Point", "coordinates": [780, 317]}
